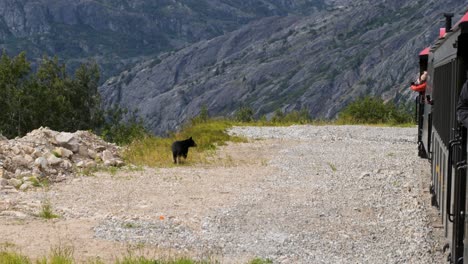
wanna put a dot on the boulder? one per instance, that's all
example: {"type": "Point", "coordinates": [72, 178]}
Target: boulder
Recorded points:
{"type": "Point", "coordinates": [107, 156]}
{"type": "Point", "coordinates": [67, 140]}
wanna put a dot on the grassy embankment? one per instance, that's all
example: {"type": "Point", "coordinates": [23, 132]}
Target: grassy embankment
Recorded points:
{"type": "Point", "coordinates": [65, 256]}
{"type": "Point", "coordinates": [210, 133]}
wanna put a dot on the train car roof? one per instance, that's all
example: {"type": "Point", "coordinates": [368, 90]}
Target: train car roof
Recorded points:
{"type": "Point", "coordinates": [425, 51]}
{"type": "Point", "coordinates": [464, 19]}
{"type": "Point", "coordinates": [454, 29]}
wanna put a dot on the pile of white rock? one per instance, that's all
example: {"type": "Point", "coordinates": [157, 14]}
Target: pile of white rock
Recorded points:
{"type": "Point", "coordinates": [47, 154]}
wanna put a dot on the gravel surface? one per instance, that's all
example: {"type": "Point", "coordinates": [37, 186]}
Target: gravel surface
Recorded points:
{"type": "Point", "coordinates": [302, 194]}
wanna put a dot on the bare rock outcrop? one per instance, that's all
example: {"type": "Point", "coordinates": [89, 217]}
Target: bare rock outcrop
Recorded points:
{"type": "Point", "coordinates": [47, 154]}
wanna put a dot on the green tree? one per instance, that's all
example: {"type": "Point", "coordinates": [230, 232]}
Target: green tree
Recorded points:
{"type": "Point", "coordinates": [13, 79]}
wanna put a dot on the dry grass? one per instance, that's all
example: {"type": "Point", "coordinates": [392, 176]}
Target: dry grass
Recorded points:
{"type": "Point", "coordinates": [156, 151]}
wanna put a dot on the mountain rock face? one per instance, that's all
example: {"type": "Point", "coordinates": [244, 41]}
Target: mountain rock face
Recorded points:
{"type": "Point", "coordinates": [116, 33]}
{"type": "Point", "coordinates": [319, 62]}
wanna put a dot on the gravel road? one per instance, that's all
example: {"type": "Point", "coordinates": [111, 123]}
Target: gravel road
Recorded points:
{"type": "Point", "coordinates": [299, 194]}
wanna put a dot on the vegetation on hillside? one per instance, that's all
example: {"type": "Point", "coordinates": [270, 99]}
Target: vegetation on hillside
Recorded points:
{"type": "Point", "coordinates": [51, 97]}
{"type": "Point", "coordinates": [47, 97]}
{"type": "Point", "coordinates": [373, 110]}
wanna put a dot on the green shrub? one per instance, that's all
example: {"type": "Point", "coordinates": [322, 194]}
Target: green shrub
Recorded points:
{"type": "Point", "coordinates": [371, 110]}
{"type": "Point", "coordinates": [244, 114]}
{"type": "Point", "coordinates": [202, 117]}
{"type": "Point", "coordinates": [119, 131]}
{"type": "Point", "coordinates": [294, 117]}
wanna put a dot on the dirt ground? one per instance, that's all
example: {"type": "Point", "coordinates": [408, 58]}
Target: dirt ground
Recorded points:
{"type": "Point", "coordinates": [185, 202]}
{"type": "Point", "coordinates": [184, 193]}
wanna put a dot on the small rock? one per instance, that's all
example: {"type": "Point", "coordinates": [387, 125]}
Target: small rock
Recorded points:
{"type": "Point", "coordinates": [41, 162]}
{"type": "Point", "coordinates": [92, 154]}
{"type": "Point", "coordinates": [107, 155]}
{"type": "Point", "coordinates": [3, 182]}
{"type": "Point", "coordinates": [66, 165]}
{"type": "Point", "coordinates": [52, 160]}
{"type": "Point", "coordinates": [37, 153]}
{"type": "Point", "coordinates": [363, 175]}
{"type": "Point", "coordinates": [63, 152]}
{"type": "Point", "coordinates": [25, 186]}
{"type": "Point", "coordinates": [80, 164]}
{"type": "Point", "coordinates": [100, 148]}
{"type": "Point", "coordinates": [28, 150]}
{"type": "Point", "coordinates": [20, 161]}
{"type": "Point", "coordinates": [83, 151]}
{"type": "Point", "coordinates": [29, 160]}
{"type": "Point", "coordinates": [15, 214]}
{"type": "Point", "coordinates": [90, 164]}
{"type": "Point", "coordinates": [6, 175]}
{"type": "Point", "coordinates": [119, 163]}
{"type": "Point", "coordinates": [15, 182]}
{"type": "Point", "coordinates": [110, 163]}
{"type": "Point", "coordinates": [26, 173]}
{"type": "Point", "coordinates": [52, 171]}
{"type": "Point", "coordinates": [16, 150]}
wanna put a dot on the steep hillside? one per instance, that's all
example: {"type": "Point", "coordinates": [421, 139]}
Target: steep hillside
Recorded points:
{"type": "Point", "coordinates": [119, 32]}
{"type": "Point", "coordinates": [318, 62]}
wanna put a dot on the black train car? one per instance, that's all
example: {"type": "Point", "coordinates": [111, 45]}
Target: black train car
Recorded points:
{"type": "Point", "coordinates": [440, 138]}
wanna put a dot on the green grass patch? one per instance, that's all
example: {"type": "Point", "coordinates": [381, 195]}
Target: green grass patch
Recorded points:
{"type": "Point", "coordinates": [260, 261]}
{"type": "Point", "coordinates": [64, 255]}
{"type": "Point", "coordinates": [143, 260]}
{"type": "Point", "coordinates": [7, 257]}
{"type": "Point", "coordinates": [59, 255]}
{"type": "Point", "coordinates": [156, 151]}
{"type": "Point", "coordinates": [47, 211]}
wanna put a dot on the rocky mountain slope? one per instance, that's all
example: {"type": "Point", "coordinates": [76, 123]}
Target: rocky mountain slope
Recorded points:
{"type": "Point", "coordinates": [117, 33]}
{"type": "Point", "coordinates": [318, 62]}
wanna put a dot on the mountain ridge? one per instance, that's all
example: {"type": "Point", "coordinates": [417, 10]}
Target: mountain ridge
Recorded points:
{"type": "Point", "coordinates": [118, 33]}
{"type": "Point", "coordinates": [319, 62]}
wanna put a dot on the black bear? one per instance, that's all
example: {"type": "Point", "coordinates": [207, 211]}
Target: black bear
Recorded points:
{"type": "Point", "coordinates": [180, 148]}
